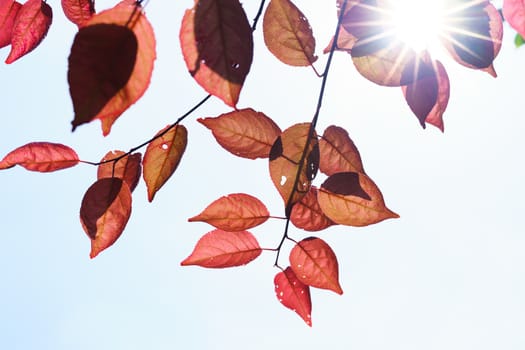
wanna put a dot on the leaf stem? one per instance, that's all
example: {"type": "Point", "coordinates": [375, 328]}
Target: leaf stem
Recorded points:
{"type": "Point", "coordinates": [134, 149]}
{"type": "Point", "coordinates": [311, 133]}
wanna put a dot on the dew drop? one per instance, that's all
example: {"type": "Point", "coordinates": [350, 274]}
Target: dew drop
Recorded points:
{"type": "Point", "coordinates": [281, 294]}
{"type": "Point", "coordinates": [164, 146]}
{"type": "Point", "coordinates": [283, 180]}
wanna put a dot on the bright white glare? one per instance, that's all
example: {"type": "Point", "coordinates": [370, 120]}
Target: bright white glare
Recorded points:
{"type": "Point", "coordinates": [418, 23]}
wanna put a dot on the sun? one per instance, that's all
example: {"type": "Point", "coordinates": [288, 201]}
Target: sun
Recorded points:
{"type": "Point", "coordinates": [417, 23]}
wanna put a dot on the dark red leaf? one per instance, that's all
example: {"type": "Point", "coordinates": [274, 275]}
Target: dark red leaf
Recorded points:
{"type": "Point", "coordinates": [105, 211]}
{"type": "Point", "coordinates": [127, 168]}
{"type": "Point", "coordinates": [8, 12]}
{"type": "Point", "coordinates": [217, 46]}
{"type": "Point", "coordinates": [315, 264]}
{"type": "Point", "coordinates": [110, 64]}
{"type": "Point", "coordinates": [41, 156]}
{"type": "Point", "coordinates": [235, 212]}
{"type": "Point", "coordinates": [219, 249]}
{"type": "Point", "coordinates": [245, 133]}
{"type": "Point", "coordinates": [30, 28]}
{"type": "Point", "coordinates": [473, 35]}
{"type": "Point", "coordinates": [428, 97]}
{"type": "Point", "coordinates": [294, 294]}
{"type": "Point", "coordinates": [78, 11]}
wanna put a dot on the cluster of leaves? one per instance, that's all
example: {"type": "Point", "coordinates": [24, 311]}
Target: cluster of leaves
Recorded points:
{"type": "Point", "coordinates": [110, 66]}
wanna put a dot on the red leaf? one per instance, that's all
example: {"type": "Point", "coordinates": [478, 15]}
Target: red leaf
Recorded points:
{"type": "Point", "coordinates": [294, 294]}
{"type": "Point", "coordinates": [235, 212]}
{"type": "Point", "coordinates": [110, 64]}
{"type": "Point", "coordinates": [127, 168]}
{"type": "Point", "coordinates": [307, 213]}
{"type": "Point", "coordinates": [41, 156]}
{"type": "Point", "coordinates": [287, 34]}
{"type": "Point", "coordinates": [474, 35]}
{"type": "Point", "coordinates": [291, 173]}
{"type": "Point", "coordinates": [245, 133]}
{"type": "Point", "coordinates": [315, 264]}
{"type": "Point", "coordinates": [428, 97]}
{"type": "Point", "coordinates": [219, 249]}
{"type": "Point", "coordinates": [353, 199]}
{"type": "Point", "coordinates": [217, 45]}
{"type": "Point", "coordinates": [8, 12]}
{"type": "Point", "coordinates": [514, 13]}
{"type": "Point", "coordinates": [338, 152]}
{"type": "Point", "coordinates": [31, 25]}
{"type": "Point", "coordinates": [104, 213]}
{"type": "Point", "coordinates": [162, 157]}
{"type": "Point", "coordinates": [78, 11]}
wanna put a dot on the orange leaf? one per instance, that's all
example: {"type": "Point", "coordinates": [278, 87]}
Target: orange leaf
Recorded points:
{"type": "Point", "coordinates": [514, 13]}
{"type": "Point", "coordinates": [287, 34]}
{"type": "Point", "coordinates": [353, 199]}
{"type": "Point", "coordinates": [127, 168]}
{"type": "Point", "coordinates": [428, 97]}
{"type": "Point", "coordinates": [245, 133]}
{"type": "Point", "coordinates": [338, 152]}
{"type": "Point", "coordinates": [110, 64]}
{"type": "Point", "coordinates": [315, 264]}
{"type": "Point", "coordinates": [235, 212]}
{"type": "Point", "coordinates": [162, 157]}
{"type": "Point", "coordinates": [78, 11]}
{"type": "Point", "coordinates": [291, 168]}
{"type": "Point", "coordinates": [29, 29]}
{"type": "Point", "coordinates": [8, 11]}
{"type": "Point", "coordinates": [307, 213]}
{"type": "Point", "coordinates": [294, 294]}
{"type": "Point", "coordinates": [104, 213]}
{"type": "Point", "coordinates": [41, 156]}
{"type": "Point", "coordinates": [219, 249]}
{"type": "Point", "coordinates": [473, 35]}
{"type": "Point", "coordinates": [217, 45]}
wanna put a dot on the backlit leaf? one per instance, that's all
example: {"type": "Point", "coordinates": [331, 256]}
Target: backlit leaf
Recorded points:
{"type": "Point", "coordinates": [353, 199]}
{"type": "Point", "coordinates": [389, 62]}
{"type": "Point", "coordinates": [315, 264]}
{"type": "Point", "coordinates": [245, 133]}
{"type": "Point", "coordinates": [473, 35]}
{"type": "Point", "coordinates": [78, 11]}
{"type": "Point", "coordinates": [105, 211]}
{"type": "Point", "coordinates": [294, 294]}
{"type": "Point", "coordinates": [110, 64]}
{"type": "Point", "coordinates": [291, 168]}
{"type": "Point", "coordinates": [217, 45]}
{"type": "Point", "coordinates": [287, 34]}
{"type": "Point", "coordinates": [514, 13]}
{"type": "Point", "coordinates": [29, 29]}
{"type": "Point", "coordinates": [307, 213]}
{"type": "Point", "coordinates": [235, 212]}
{"type": "Point", "coordinates": [428, 97]}
{"type": "Point", "coordinates": [219, 249]}
{"type": "Point", "coordinates": [41, 156]}
{"type": "Point", "coordinates": [338, 152]}
{"type": "Point", "coordinates": [162, 157]}
{"type": "Point", "coordinates": [127, 168]}
{"type": "Point", "coordinates": [8, 11]}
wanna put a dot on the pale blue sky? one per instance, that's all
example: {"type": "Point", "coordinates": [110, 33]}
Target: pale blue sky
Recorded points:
{"type": "Point", "coordinates": [449, 274]}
